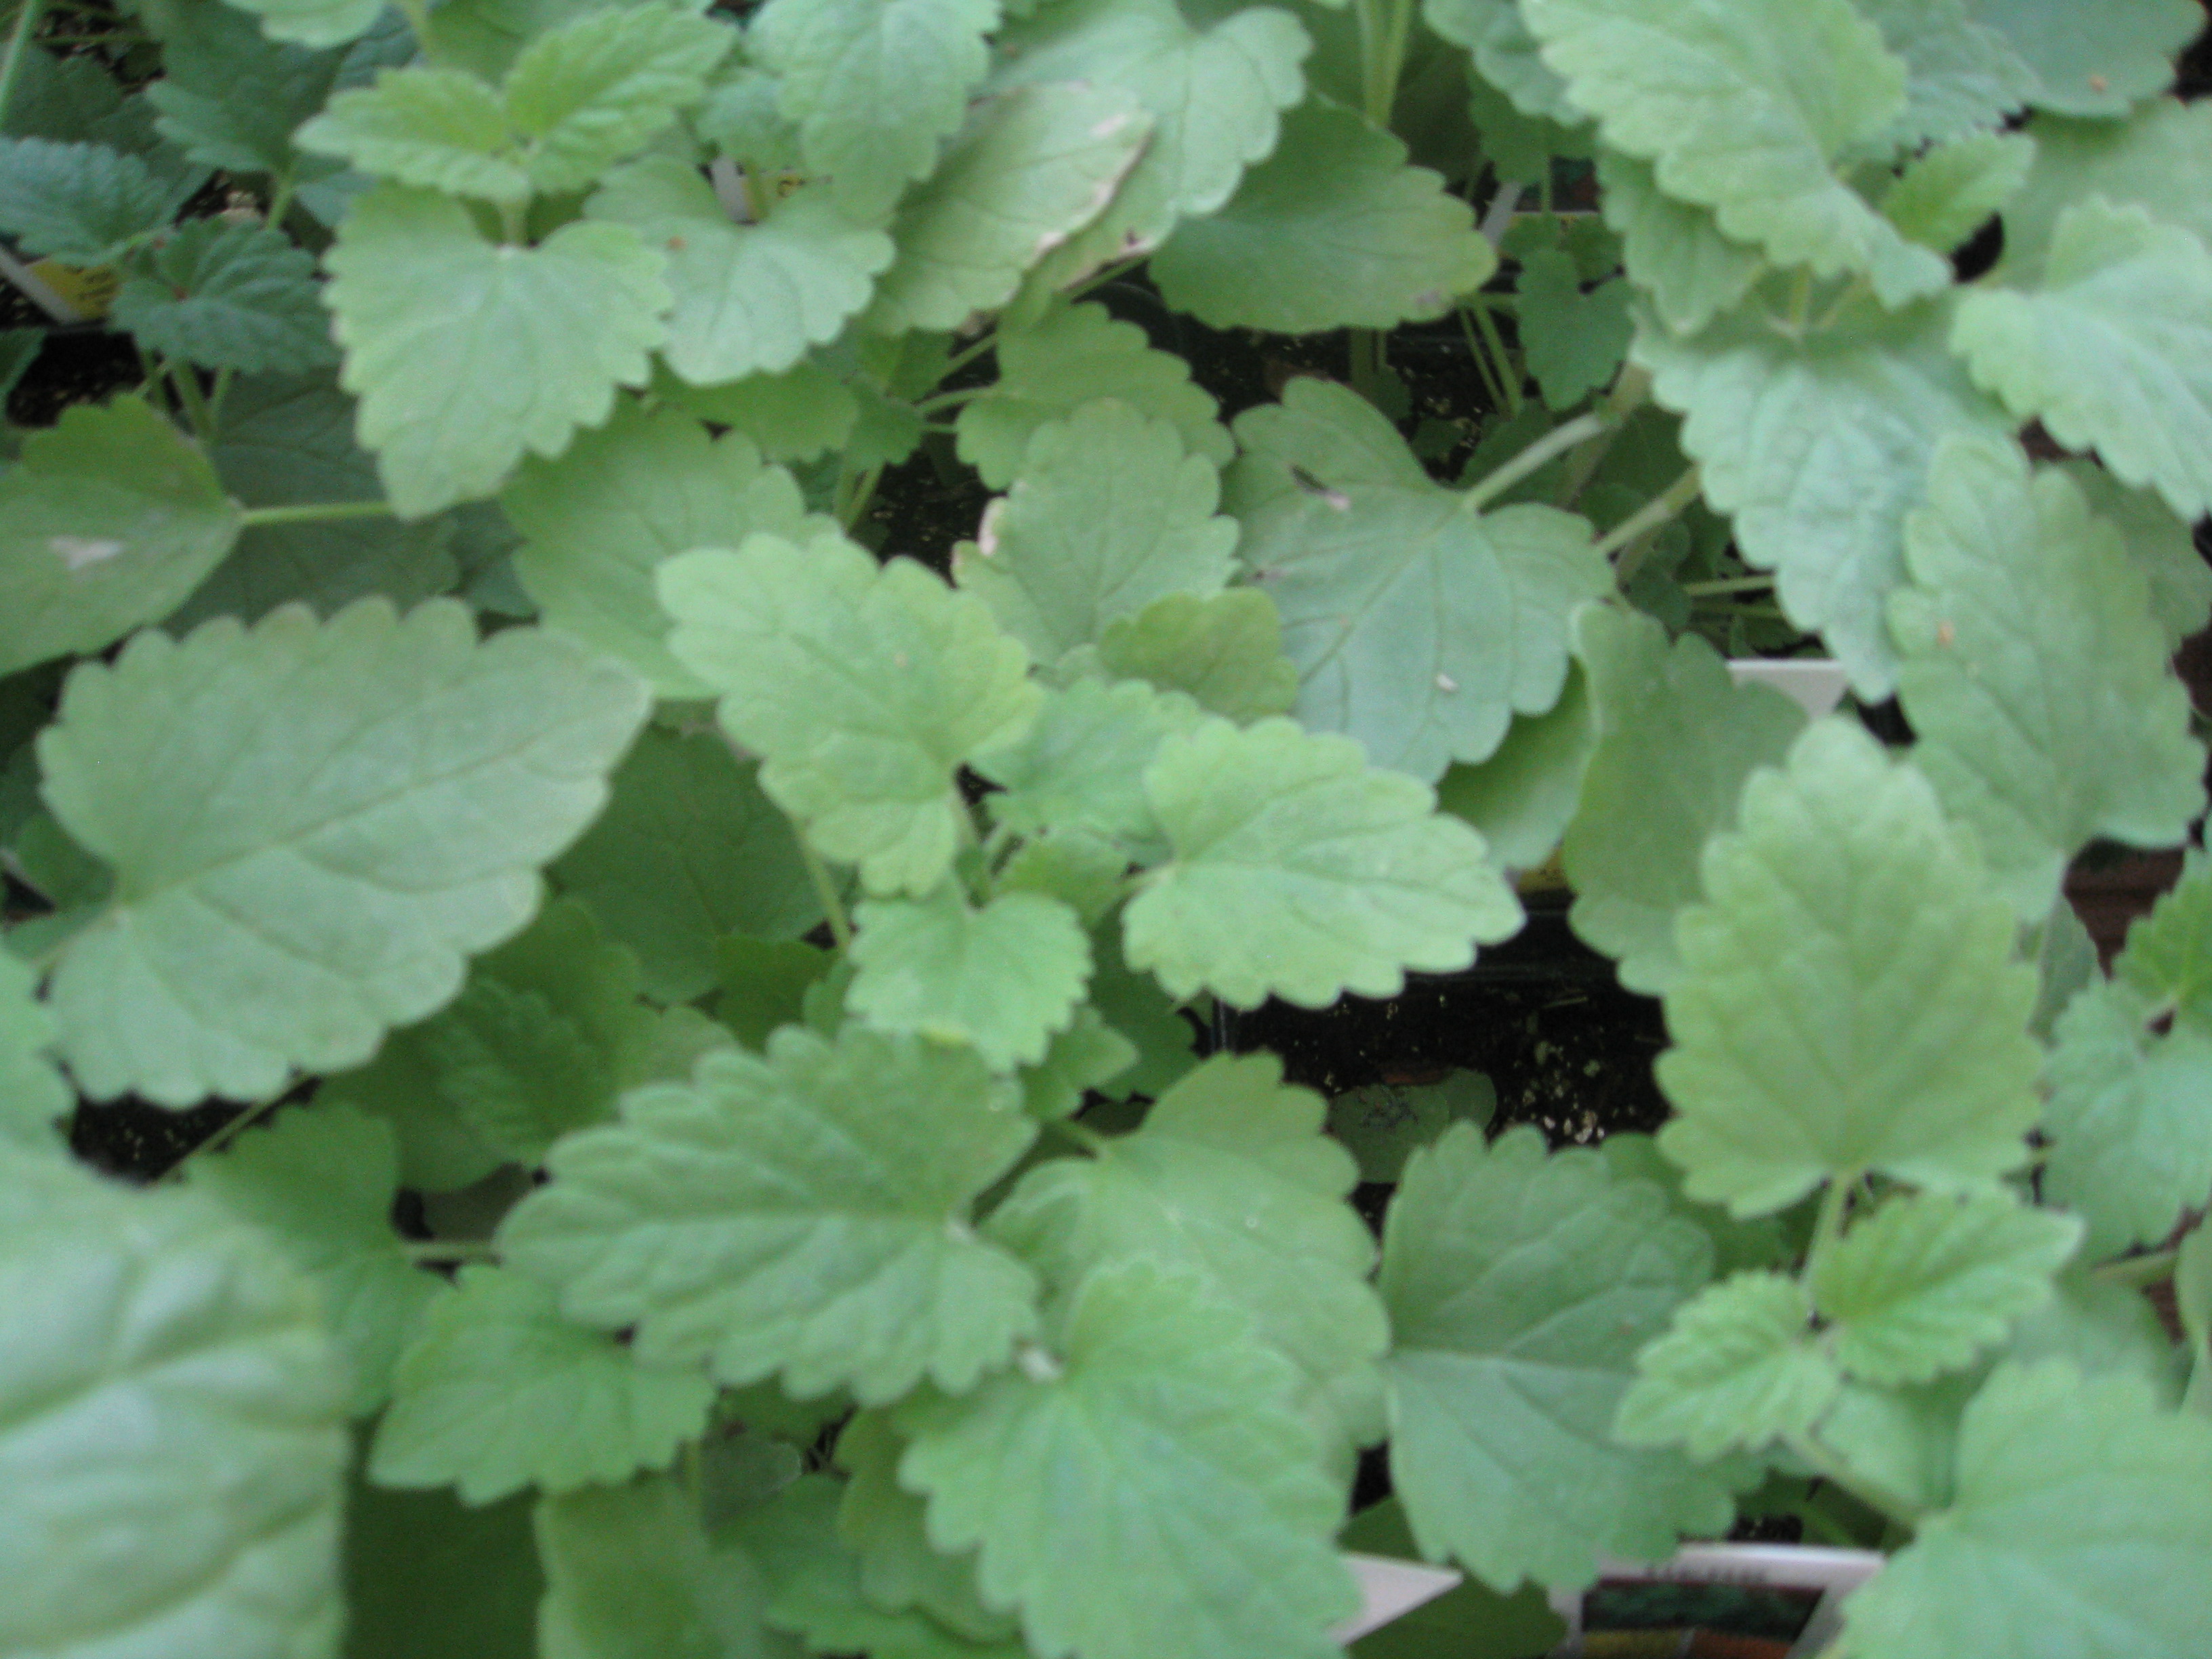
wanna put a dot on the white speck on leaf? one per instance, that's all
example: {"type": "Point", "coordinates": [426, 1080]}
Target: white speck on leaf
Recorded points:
{"type": "Point", "coordinates": [1446, 683]}
{"type": "Point", "coordinates": [76, 552]}
{"type": "Point", "coordinates": [1036, 1364]}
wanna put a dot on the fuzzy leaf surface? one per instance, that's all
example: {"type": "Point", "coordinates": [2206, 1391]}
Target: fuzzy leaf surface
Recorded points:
{"type": "Point", "coordinates": [1738, 1367]}
{"type": "Point", "coordinates": [228, 296]}
{"type": "Point", "coordinates": [1673, 249]}
{"type": "Point", "coordinates": [83, 203]}
{"type": "Point", "coordinates": [588, 93]}
{"type": "Point", "coordinates": [33, 1095]}
{"type": "Point", "coordinates": [1224, 651]}
{"type": "Point", "coordinates": [1081, 767]}
{"type": "Point", "coordinates": [1001, 978]}
{"type": "Point", "coordinates": [2099, 63]}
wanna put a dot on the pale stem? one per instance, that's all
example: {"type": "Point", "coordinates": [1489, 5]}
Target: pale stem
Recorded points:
{"type": "Point", "coordinates": [1552, 444]}
{"type": "Point", "coordinates": [315, 512]}
{"type": "Point", "coordinates": [833, 907]}
{"type": "Point", "coordinates": [19, 42]}
{"type": "Point", "coordinates": [1646, 521]}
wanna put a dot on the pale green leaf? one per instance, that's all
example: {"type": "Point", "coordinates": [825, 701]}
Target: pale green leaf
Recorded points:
{"type": "Point", "coordinates": [2081, 1517]}
{"type": "Point", "coordinates": [1107, 514]}
{"type": "Point", "coordinates": [1674, 740]}
{"type": "Point", "coordinates": [1961, 75]}
{"type": "Point", "coordinates": [321, 1184]}
{"type": "Point", "coordinates": [631, 1573]}
{"type": "Point", "coordinates": [1001, 978]}
{"type": "Point", "coordinates": [1327, 432]}
{"type": "Point", "coordinates": [2099, 60]}
{"type": "Point", "coordinates": [2034, 674]}
{"type": "Point", "coordinates": [801, 1214]}
{"type": "Point", "coordinates": [1744, 110]}
{"type": "Point", "coordinates": [1340, 875]}
{"type": "Point", "coordinates": [485, 37]}
{"type": "Point", "coordinates": [2111, 348]}
{"type": "Point", "coordinates": [83, 203]}
{"type": "Point", "coordinates": [1927, 1281]}
{"type": "Point", "coordinates": [1135, 1006]}
{"type": "Point", "coordinates": [286, 890]}
{"type": "Point", "coordinates": [1524, 796]}
{"type": "Point", "coordinates": [440, 128]}
{"type": "Point", "coordinates": [688, 850]}
{"type": "Point", "coordinates": [1332, 229]}
{"type": "Point", "coordinates": [883, 1524]}
{"type": "Point", "coordinates": [1520, 1284]}
{"type": "Point", "coordinates": [109, 519]}
{"type": "Point", "coordinates": [1156, 1446]}
{"type": "Point", "coordinates": [586, 94]}
{"type": "Point", "coordinates": [1673, 250]}
{"type": "Point", "coordinates": [1943, 196]}
{"type": "Point", "coordinates": [749, 298]}
{"type": "Point", "coordinates": [1088, 1056]}
{"type": "Point", "coordinates": [1761, 1241]}
{"type": "Point", "coordinates": [1573, 341]}
{"type": "Point", "coordinates": [173, 1447]}
{"type": "Point", "coordinates": [500, 1393]}
{"type": "Point", "coordinates": [1078, 354]}
{"type": "Point", "coordinates": [863, 686]}
{"type": "Point", "coordinates": [597, 519]}
{"type": "Point", "coordinates": [2163, 548]}
{"type": "Point", "coordinates": [1505, 55]}
{"type": "Point", "coordinates": [467, 354]}
{"type": "Point", "coordinates": [316, 22]}
{"type": "Point", "coordinates": [1033, 166]}
{"type": "Point", "coordinates": [2102, 1327]}
{"type": "Point", "coordinates": [876, 86]}
{"type": "Point", "coordinates": [236, 296]}
{"type": "Point", "coordinates": [32, 1094]}
{"type": "Point", "coordinates": [1818, 447]}
{"type": "Point", "coordinates": [1900, 1442]}
{"type": "Point", "coordinates": [791, 416]}
{"type": "Point", "coordinates": [1889, 1029]}
{"type": "Point", "coordinates": [2192, 1296]}
{"type": "Point", "coordinates": [1738, 1367]}
{"type": "Point", "coordinates": [2168, 959]}
{"type": "Point", "coordinates": [2159, 160]}
{"type": "Point", "coordinates": [1225, 651]}
{"type": "Point", "coordinates": [1079, 868]}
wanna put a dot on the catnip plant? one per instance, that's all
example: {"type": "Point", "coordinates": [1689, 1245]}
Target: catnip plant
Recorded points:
{"type": "Point", "coordinates": [685, 1020]}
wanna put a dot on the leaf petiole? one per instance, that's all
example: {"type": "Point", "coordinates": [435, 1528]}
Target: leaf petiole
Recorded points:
{"type": "Point", "coordinates": [1552, 444]}
{"type": "Point", "coordinates": [314, 512]}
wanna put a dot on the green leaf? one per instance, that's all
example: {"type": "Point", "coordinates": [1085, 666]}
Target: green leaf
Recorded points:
{"type": "Point", "coordinates": [2093, 63]}
{"type": "Point", "coordinates": [486, 37]}
{"type": "Point", "coordinates": [2192, 1296]}
{"type": "Point", "coordinates": [2034, 674]}
{"type": "Point", "coordinates": [1076, 355]}
{"type": "Point", "coordinates": [791, 416]}
{"type": "Point", "coordinates": [863, 686]}
{"type": "Point", "coordinates": [688, 850]}
{"type": "Point", "coordinates": [1890, 1030]}
{"type": "Point", "coordinates": [316, 22]}
{"type": "Point", "coordinates": [2168, 956]}
{"type": "Point", "coordinates": [1927, 1281]}
{"type": "Point", "coordinates": [1519, 1285]}
{"type": "Point", "coordinates": [1675, 740]}
{"type": "Point", "coordinates": [31, 1092]}
{"type": "Point", "coordinates": [111, 519]}
{"type": "Point", "coordinates": [803, 1214]}
{"type": "Point", "coordinates": [2159, 160]}
{"type": "Point", "coordinates": [228, 296]}
{"type": "Point", "coordinates": [1523, 797]}
{"type": "Point", "coordinates": [406, 1552]}
{"type": "Point", "coordinates": [1088, 1056]}
{"type": "Point", "coordinates": [440, 1151]}
{"type": "Point", "coordinates": [1339, 874]}
{"type": "Point", "coordinates": [500, 1393]}
{"type": "Point", "coordinates": [1469, 1621]}
{"type": "Point", "coordinates": [1332, 229]}
{"type": "Point", "coordinates": [1033, 166]}
{"type": "Point", "coordinates": [321, 1184]}
{"type": "Point", "coordinates": [1229, 1185]}
{"type": "Point", "coordinates": [1745, 112]}
{"type": "Point", "coordinates": [442, 129]}
{"type": "Point", "coordinates": [1819, 446]}
{"type": "Point", "coordinates": [1108, 513]}
{"type": "Point", "coordinates": [1505, 56]}
{"type": "Point", "coordinates": [1961, 75]}
{"type": "Point", "coordinates": [2080, 1514]}
{"type": "Point", "coordinates": [600, 518]}
{"type": "Point", "coordinates": [1225, 651]}
{"type": "Point", "coordinates": [876, 86]}
{"type": "Point", "coordinates": [883, 1525]}
{"type": "Point", "coordinates": [1156, 1445]}
{"type": "Point", "coordinates": [1943, 196]}
{"type": "Point", "coordinates": [1001, 978]}
{"type": "Point", "coordinates": [586, 94]}
{"type": "Point", "coordinates": [1418, 624]}
{"type": "Point", "coordinates": [467, 354]}
{"type": "Point", "coordinates": [1135, 1006]}
{"type": "Point", "coordinates": [173, 1447]}
{"type": "Point", "coordinates": [83, 203]}
{"type": "Point", "coordinates": [749, 298]}
{"type": "Point", "coordinates": [1761, 1241]}
{"type": "Point", "coordinates": [286, 892]}
{"type": "Point", "coordinates": [1573, 340]}
{"type": "Point", "coordinates": [1673, 250]}
{"type": "Point", "coordinates": [1381, 1124]}
{"type": "Point", "coordinates": [2162, 547]}
{"type": "Point", "coordinates": [764, 984]}
{"type": "Point", "coordinates": [2112, 350]}
{"type": "Point", "coordinates": [1738, 1367]}
{"type": "Point", "coordinates": [1214, 96]}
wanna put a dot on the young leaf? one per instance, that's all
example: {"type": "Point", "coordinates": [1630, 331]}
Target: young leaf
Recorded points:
{"type": "Point", "coordinates": [1133, 1005]}
{"type": "Point", "coordinates": [286, 892]}
{"type": "Point", "coordinates": [1673, 250]}
{"type": "Point", "coordinates": [1224, 651]}
{"type": "Point", "coordinates": [2112, 350]}
{"type": "Point", "coordinates": [468, 354]}
{"type": "Point", "coordinates": [1927, 1281]}
{"type": "Point", "coordinates": [316, 22]}
{"type": "Point", "coordinates": [500, 1393]}
{"type": "Point", "coordinates": [109, 519]}
{"type": "Point", "coordinates": [1675, 740]}
{"type": "Point", "coordinates": [2159, 160]}
{"type": "Point", "coordinates": [883, 1524]}
{"type": "Point", "coordinates": [583, 95]}
{"type": "Point", "coordinates": [1002, 978]}
{"type": "Point", "coordinates": [1738, 1367]}
{"type": "Point", "coordinates": [173, 1440]}
{"type": "Point", "coordinates": [1034, 166]}
{"type": "Point", "coordinates": [1961, 75]}
{"type": "Point", "coordinates": [1075, 356]}
{"type": "Point", "coordinates": [1332, 229]}
{"type": "Point", "coordinates": [1339, 874]}
{"type": "Point", "coordinates": [1506, 57]}
{"type": "Point", "coordinates": [2035, 673]}
{"type": "Point", "coordinates": [83, 203]}
{"type": "Point", "coordinates": [31, 1092]}
{"type": "Point", "coordinates": [749, 298]}
{"type": "Point", "coordinates": [1573, 340]}
{"type": "Point", "coordinates": [1107, 514]}
{"type": "Point", "coordinates": [1089, 1055]}
{"type": "Point", "coordinates": [2093, 63]}
{"type": "Point", "coordinates": [1519, 1285]}
{"type": "Point", "coordinates": [321, 1184]}
{"type": "Point", "coordinates": [440, 1151]}
{"type": "Point", "coordinates": [688, 850]}
{"type": "Point", "coordinates": [1156, 1446]}
{"type": "Point", "coordinates": [876, 86]}
{"type": "Point", "coordinates": [1745, 112]}
{"type": "Point", "coordinates": [802, 1214]}
{"type": "Point", "coordinates": [442, 128]}
{"type": "Point", "coordinates": [2080, 1512]}
{"type": "Point", "coordinates": [1943, 196]}
{"type": "Point", "coordinates": [1819, 446]}
{"type": "Point", "coordinates": [2162, 547]}
{"type": "Point", "coordinates": [598, 521]}
{"type": "Point", "coordinates": [2168, 956]}
{"type": "Point", "coordinates": [863, 686]}
{"type": "Point", "coordinates": [228, 296]}
{"type": "Point", "coordinates": [791, 416]}
{"type": "Point", "coordinates": [1522, 799]}
{"type": "Point", "coordinates": [1890, 1032]}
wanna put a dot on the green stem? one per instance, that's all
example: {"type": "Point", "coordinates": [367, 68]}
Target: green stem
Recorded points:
{"type": "Point", "coordinates": [2137, 1271]}
{"type": "Point", "coordinates": [1728, 584]}
{"type": "Point", "coordinates": [833, 907]}
{"type": "Point", "coordinates": [428, 1250]}
{"type": "Point", "coordinates": [19, 42]}
{"type": "Point", "coordinates": [315, 512]}
{"type": "Point", "coordinates": [1829, 1225]}
{"type": "Point", "coordinates": [1365, 348]}
{"type": "Point", "coordinates": [1495, 342]}
{"type": "Point", "coordinates": [1495, 386]}
{"type": "Point", "coordinates": [1875, 1495]}
{"type": "Point", "coordinates": [863, 491]}
{"type": "Point", "coordinates": [967, 355]}
{"type": "Point", "coordinates": [952, 399]}
{"type": "Point", "coordinates": [1552, 444]}
{"type": "Point", "coordinates": [194, 401]}
{"type": "Point", "coordinates": [230, 1131]}
{"type": "Point", "coordinates": [1637, 532]}
{"type": "Point", "coordinates": [1627, 396]}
